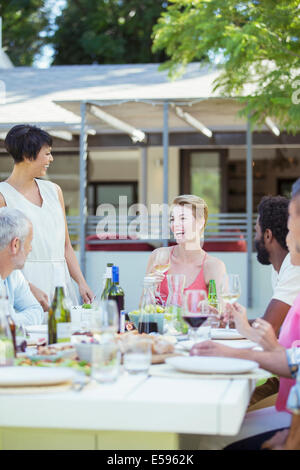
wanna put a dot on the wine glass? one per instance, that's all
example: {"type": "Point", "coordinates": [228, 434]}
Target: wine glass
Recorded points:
{"type": "Point", "coordinates": [161, 265]}
{"type": "Point", "coordinates": [195, 313]}
{"type": "Point", "coordinates": [230, 290]}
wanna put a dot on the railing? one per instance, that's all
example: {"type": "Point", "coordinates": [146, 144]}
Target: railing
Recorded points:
{"type": "Point", "coordinates": [219, 228]}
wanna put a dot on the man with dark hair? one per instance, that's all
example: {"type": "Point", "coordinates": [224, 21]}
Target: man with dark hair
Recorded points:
{"type": "Point", "coordinates": [270, 243]}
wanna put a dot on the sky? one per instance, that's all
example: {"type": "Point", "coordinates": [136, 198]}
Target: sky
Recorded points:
{"type": "Point", "coordinates": [45, 58]}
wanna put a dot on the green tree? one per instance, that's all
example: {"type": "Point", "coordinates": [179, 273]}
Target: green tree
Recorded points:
{"type": "Point", "coordinates": [256, 44]}
{"type": "Point", "coordinates": [24, 22]}
{"type": "Point", "coordinates": [106, 32]}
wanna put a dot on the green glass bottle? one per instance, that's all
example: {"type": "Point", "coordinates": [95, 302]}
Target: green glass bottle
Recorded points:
{"type": "Point", "coordinates": [59, 318]}
{"type": "Point", "coordinates": [116, 292]}
{"type": "Point", "coordinates": [107, 281]}
{"type": "Point", "coordinates": [212, 294]}
{"type": "Point", "coordinates": [7, 350]}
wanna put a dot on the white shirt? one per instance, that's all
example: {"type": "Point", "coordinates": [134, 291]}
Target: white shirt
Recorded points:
{"type": "Point", "coordinates": [286, 283]}
{"type": "Point", "coordinates": [27, 310]}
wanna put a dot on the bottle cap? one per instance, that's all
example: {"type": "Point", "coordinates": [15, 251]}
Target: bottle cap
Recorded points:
{"type": "Point", "coordinates": [115, 274]}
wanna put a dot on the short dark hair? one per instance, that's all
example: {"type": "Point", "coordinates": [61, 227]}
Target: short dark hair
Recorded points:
{"type": "Point", "coordinates": [25, 140]}
{"type": "Point", "coordinates": [273, 214]}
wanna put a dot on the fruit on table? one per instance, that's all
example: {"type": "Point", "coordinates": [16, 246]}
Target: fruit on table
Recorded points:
{"type": "Point", "coordinates": [149, 309]}
{"type": "Point", "coordinates": [159, 309]}
{"type": "Point", "coordinates": [86, 305]}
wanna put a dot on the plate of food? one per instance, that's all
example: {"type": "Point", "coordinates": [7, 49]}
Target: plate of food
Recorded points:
{"type": "Point", "coordinates": [162, 347]}
{"type": "Point", "coordinates": [51, 352]}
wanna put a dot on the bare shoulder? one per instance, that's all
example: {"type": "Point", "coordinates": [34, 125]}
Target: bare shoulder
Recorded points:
{"type": "Point", "coordinates": [2, 201]}
{"type": "Point", "coordinates": [212, 263]}
{"type": "Point", "coordinates": [59, 193]}
{"type": "Point", "coordinates": [157, 252]}
{"type": "Point", "coordinates": [58, 188]}
{"type": "Point", "coordinates": [161, 251]}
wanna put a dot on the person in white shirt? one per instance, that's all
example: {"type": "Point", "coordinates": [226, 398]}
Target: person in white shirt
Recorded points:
{"type": "Point", "coordinates": [285, 283]}
{"type": "Point", "coordinates": [270, 243]}
{"type": "Point", "coordinates": [15, 244]}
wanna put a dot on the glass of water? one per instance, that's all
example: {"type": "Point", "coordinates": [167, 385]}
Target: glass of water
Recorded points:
{"type": "Point", "coordinates": [106, 359]}
{"type": "Point", "coordinates": [137, 355]}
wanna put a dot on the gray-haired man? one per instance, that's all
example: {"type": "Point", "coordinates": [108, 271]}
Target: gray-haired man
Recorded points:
{"type": "Point", "coordinates": [15, 244]}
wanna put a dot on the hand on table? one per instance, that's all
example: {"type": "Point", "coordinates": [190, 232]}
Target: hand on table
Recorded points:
{"type": "Point", "coordinates": [40, 296]}
{"type": "Point", "coordinates": [210, 348]}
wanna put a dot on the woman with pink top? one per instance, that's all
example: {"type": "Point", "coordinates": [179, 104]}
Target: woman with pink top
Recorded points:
{"type": "Point", "coordinates": [188, 219]}
{"type": "Point", "coordinates": [290, 331]}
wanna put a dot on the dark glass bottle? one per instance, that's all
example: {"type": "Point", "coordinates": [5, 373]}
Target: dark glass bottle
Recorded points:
{"type": "Point", "coordinates": [12, 327]}
{"type": "Point", "coordinates": [116, 292]}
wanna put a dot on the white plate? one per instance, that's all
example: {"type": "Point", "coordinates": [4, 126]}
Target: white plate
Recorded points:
{"type": "Point", "coordinates": [211, 365]}
{"type": "Point", "coordinates": [243, 343]}
{"type": "Point", "coordinates": [222, 333]}
{"type": "Point", "coordinates": [23, 376]}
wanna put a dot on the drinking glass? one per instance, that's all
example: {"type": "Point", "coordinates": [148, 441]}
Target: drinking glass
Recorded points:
{"type": "Point", "coordinates": [230, 290]}
{"type": "Point", "coordinates": [196, 313]}
{"type": "Point", "coordinates": [161, 265]}
{"type": "Point", "coordinates": [85, 319]}
{"type": "Point", "coordinates": [174, 325]}
{"type": "Point", "coordinates": [137, 355]}
{"type": "Point", "coordinates": [215, 314]}
{"type": "Point", "coordinates": [104, 318]}
{"type": "Point", "coordinates": [106, 359]}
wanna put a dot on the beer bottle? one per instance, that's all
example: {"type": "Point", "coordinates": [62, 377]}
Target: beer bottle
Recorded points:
{"type": "Point", "coordinates": [212, 294]}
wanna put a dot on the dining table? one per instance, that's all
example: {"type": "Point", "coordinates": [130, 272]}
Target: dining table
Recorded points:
{"type": "Point", "coordinates": [147, 411]}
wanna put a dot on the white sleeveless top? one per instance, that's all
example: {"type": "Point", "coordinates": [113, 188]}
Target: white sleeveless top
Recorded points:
{"type": "Point", "coordinates": [48, 244]}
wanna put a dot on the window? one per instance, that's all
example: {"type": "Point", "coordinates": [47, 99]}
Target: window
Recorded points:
{"type": "Point", "coordinates": [203, 173]}
{"type": "Point", "coordinates": [109, 193]}
{"type": "Point", "coordinates": [284, 186]}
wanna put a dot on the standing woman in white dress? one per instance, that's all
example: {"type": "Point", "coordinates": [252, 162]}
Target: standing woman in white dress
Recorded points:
{"type": "Point", "coordinates": [43, 203]}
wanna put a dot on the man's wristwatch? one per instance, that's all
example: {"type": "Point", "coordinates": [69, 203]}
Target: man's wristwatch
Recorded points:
{"type": "Point", "coordinates": [293, 401]}
{"type": "Point", "coordinates": [293, 358]}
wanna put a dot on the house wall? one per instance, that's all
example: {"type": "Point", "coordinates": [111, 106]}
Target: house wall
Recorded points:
{"type": "Point", "coordinates": [125, 165]}
{"type": "Point", "coordinates": [155, 174]}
